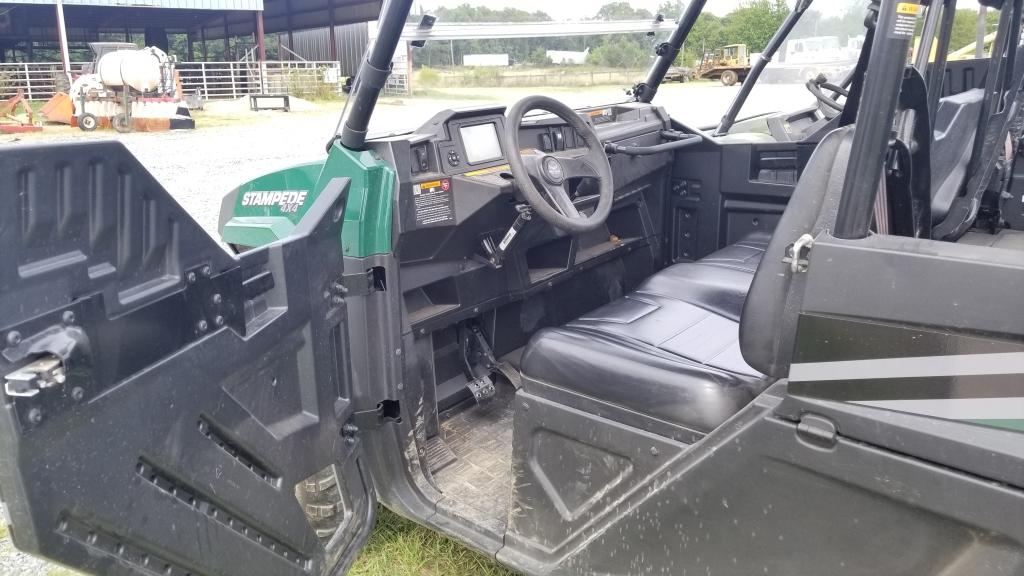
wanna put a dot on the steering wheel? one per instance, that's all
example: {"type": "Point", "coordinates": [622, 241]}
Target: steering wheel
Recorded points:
{"type": "Point", "coordinates": [829, 106]}
{"type": "Point", "coordinates": [552, 200]}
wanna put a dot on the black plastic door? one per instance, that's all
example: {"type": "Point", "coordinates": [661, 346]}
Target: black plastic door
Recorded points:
{"type": "Point", "coordinates": [169, 408]}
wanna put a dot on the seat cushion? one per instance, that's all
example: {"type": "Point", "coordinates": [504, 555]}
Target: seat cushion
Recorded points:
{"type": "Point", "coordinates": [718, 282]}
{"type": "Point", "coordinates": [744, 255]}
{"type": "Point", "coordinates": [669, 350]}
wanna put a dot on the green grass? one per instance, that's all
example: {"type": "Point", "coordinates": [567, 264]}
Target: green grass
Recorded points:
{"type": "Point", "coordinates": [400, 547]}
{"type": "Point", "coordinates": [397, 547]}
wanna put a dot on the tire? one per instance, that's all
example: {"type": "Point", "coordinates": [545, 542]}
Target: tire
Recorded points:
{"type": "Point", "coordinates": [729, 78]}
{"type": "Point", "coordinates": [87, 122]}
{"type": "Point", "coordinates": [122, 123]}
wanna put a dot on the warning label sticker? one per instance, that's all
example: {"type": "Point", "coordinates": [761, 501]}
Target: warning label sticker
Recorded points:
{"type": "Point", "coordinates": [433, 203]}
{"type": "Point", "coordinates": [905, 20]}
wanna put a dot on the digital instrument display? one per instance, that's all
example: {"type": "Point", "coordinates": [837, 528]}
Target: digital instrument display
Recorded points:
{"type": "Point", "coordinates": [481, 142]}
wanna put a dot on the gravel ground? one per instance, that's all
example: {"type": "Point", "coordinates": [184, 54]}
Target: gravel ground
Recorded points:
{"type": "Point", "coordinates": [231, 146]}
{"type": "Point", "coordinates": [16, 563]}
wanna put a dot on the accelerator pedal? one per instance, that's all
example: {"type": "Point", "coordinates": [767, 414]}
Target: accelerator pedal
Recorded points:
{"type": "Point", "coordinates": [510, 373]}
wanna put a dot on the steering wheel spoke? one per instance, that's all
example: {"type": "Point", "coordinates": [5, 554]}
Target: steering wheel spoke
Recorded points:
{"type": "Point", "coordinates": [560, 199]}
{"type": "Point", "coordinates": [576, 166]}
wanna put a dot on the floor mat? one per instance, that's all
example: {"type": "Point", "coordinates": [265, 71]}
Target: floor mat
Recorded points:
{"type": "Point", "coordinates": [477, 482]}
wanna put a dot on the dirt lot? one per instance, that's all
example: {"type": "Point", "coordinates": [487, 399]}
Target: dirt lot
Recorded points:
{"type": "Point", "coordinates": [232, 145]}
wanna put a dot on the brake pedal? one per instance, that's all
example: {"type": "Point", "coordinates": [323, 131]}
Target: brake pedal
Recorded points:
{"type": "Point", "coordinates": [482, 388]}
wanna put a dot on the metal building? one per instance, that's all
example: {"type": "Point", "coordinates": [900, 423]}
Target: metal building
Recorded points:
{"type": "Point", "coordinates": [345, 45]}
{"type": "Point", "coordinates": [33, 30]}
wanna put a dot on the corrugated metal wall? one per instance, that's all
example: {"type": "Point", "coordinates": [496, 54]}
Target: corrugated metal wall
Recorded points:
{"type": "Point", "coordinates": [350, 40]}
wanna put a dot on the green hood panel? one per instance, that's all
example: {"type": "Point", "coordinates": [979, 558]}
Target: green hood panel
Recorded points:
{"type": "Point", "coordinates": [269, 207]}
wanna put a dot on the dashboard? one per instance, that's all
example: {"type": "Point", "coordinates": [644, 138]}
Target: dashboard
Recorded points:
{"type": "Point", "coordinates": [456, 195]}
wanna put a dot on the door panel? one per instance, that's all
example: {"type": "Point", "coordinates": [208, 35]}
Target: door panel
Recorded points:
{"type": "Point", "coordinates": [170, 408]}
{"type": "Point", "coordinates": [925, 358]}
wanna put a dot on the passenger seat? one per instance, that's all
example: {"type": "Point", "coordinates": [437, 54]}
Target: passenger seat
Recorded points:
{"type": "Point", "coordinates": [720, 280]}
{"type": "Point", "coordinates": [669, 350]}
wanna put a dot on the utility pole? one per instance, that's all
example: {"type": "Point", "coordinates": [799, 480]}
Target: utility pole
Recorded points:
{"type": "Point", "coordinates": [62, 32]}
{"type": "Point", "coordinates": [979, 40]}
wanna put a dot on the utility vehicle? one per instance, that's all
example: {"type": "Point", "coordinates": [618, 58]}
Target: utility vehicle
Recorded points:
{"type": "Point", "coordinates": [728, 64]}
{"type": "Point", "coordinates": [594, 341]}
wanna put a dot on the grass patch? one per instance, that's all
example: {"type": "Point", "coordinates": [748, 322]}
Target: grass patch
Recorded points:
{"type": "Point", "coordinates": [397, 547]}
{"type": "Point", "coordinates": [400, 547]}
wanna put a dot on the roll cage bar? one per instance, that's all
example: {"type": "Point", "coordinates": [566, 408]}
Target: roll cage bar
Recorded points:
{"type": "Point", "coordinates": [755, 71]}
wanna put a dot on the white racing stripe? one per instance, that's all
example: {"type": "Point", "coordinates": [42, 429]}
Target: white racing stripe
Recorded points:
{"type": "Point", "coordinates": [956, 408]}
{"type": "Point", "coordinates": [914, 367]}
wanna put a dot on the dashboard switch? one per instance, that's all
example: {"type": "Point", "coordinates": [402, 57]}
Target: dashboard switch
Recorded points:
{"type": "Point", "coordinates": [545, 142]}
{"type": "Point", "coordinates": [559, 140]}
{"type": "Point", "coordinates": [453, 158]}
{"type": "Point", "coordinates": [422, 163]}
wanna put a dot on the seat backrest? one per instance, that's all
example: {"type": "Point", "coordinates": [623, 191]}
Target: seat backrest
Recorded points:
{"type": "Point", "coordinates": [768, 321]}
{"type": "Point", "coordinates": [955, 127]}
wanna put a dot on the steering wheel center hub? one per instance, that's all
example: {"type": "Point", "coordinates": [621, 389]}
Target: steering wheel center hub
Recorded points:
{"type": "Point", "coordinates": [552, 170]}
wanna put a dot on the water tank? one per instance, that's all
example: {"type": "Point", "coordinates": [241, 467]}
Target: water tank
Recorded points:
{"type": "Point", "coordinates": [142, 70]}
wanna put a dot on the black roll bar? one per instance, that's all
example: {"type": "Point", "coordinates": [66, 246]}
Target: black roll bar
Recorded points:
{"type": "Point", "coordinates": [373, 73]}
{"type": "Point", "coordinates": [766, 56]}
{"type": "Point", "coordinates": [667, 52]}
{"type": "Point", "coordinates": [875, 118]}
{"type": "Point", "coordinates": [937, 71]}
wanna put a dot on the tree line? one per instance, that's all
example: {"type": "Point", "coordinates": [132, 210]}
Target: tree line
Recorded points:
{"type": "Point", "coordinates": [752, 23]}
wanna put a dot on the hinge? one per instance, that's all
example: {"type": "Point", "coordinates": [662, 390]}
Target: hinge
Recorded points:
{"type": "Point", "coordinates": [363, 283]}
{"type": "Point", "coordinates": [798, 252]}
{"type": "Point", "coordinates": [817, 430]}
{"type": "Point", "coordinates": [386, 411]}
{"type": "Point", "coordinates": [46, 372]}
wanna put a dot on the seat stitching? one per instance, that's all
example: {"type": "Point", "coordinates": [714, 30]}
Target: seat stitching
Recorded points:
{"type": "Point", "coordinates": [703, 318]}
{"type": "Point", "coordinates": [695, 305]}
{"type": "Point", "coordinates": [759, 247]}
{"type": "Point", "coordinates": [621, 322]}
{"type": "Point", "coordinates": [643, 347]}
{"type": "Point", "coordinates": [722, 351]}
{"type": "Point", "coordinates": [730, 267]}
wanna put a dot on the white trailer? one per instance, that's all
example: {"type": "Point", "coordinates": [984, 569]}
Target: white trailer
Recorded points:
{"type": "Point", "coordinates": [568, 56]}
{"type": "Point", "coordinates": [482, 60]}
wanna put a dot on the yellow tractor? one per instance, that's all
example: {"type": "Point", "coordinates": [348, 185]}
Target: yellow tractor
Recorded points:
{"type": "Point", "coordinates": [730, 64]}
